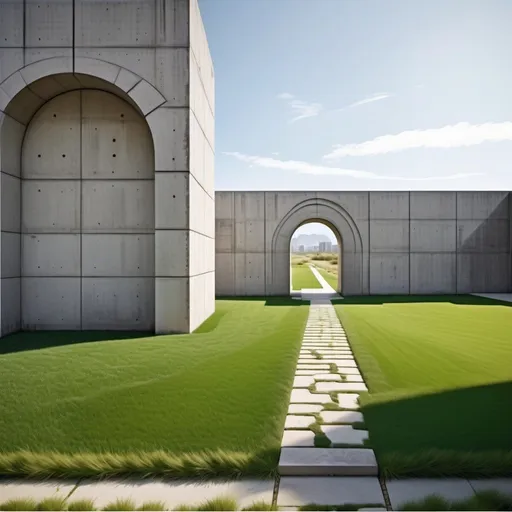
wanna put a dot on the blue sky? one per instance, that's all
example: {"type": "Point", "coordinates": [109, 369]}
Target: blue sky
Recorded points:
{"type": "Point", "coordinates": [362, 95]}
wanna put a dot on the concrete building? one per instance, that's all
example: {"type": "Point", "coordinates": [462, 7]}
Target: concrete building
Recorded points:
{"type": "Point", "coordinates": [325, 247]}
{"type": "Point", "coordinates": [301, 248]}
{"type": "Point", "coordinates": [107, 164]}
{"type": "Point", "coordinates": [391, 242]}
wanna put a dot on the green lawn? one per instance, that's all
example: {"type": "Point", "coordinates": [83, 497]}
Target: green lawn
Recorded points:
{"type": "Point", "coordinates": [223, 388]}
{"type": "Point", "coordinates": [302, 277]}
{"type": "Point", "coordinates": [329, 277]}
{"type": "Point", "coordinates": [439, 373]}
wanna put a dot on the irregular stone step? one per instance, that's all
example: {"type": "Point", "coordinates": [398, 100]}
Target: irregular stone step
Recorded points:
{"type": "Point", "coordinates": [302, 438]}
{"type": "Point", "coordinates": [304, 408]}
{"type": "Point", "coordinates": [327, 461]}
{"type": "Point", "coordinates": [303, 396]}
{"type": "Point", "coordinates": [303, 381]}
{"type": "Point", "coordinates": [348, 400]}
{"type": "Point", "coordinates": [345, 434]}
{"type": "Point", "coordinates": [327, 387]}
{"type": "Point", "coordinates": [302, 422]}
{"type": "Point", "coordinates": [347, 417]}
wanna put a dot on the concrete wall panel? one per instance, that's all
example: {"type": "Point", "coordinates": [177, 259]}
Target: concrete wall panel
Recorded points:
{"type": "Point", "coordinates": [11, 305]}
{"type": "Point", "coordinates": [51, 206]}
{"type": "Point", "coordinates": [11, 137]}
{"type": "Point", "coordinates": [114, 23]}
{"type": "Point", "coordinates": [389, 236]}
{"type": "Point", "coordinates": [250, 236]}
{"type": "Point", "coordinates": [433, 205]}
{"type": "Point", "coordinates": [171, 199]}
{"type": "Point", "coordinates": [433, 235]}
{"type": "Point", "coordinates": [118, 206]}
{"type": "Point", "coordinates": [172, 25]}
{"type": "Point", "coordinates": [112, 255]}
{"type": "Point", "coordinates": [51, 255]}
{"type": "Point", "coordinates": [11, 200]}
{"type": "Point", "coordinates": [50, 303]}
{"type": "Point", "coordinates": [172, 254]}
{"type": "Point", "coordinates": [11, 59]}
{"type": "Point", "coordinates": [224, 274]}
{"type": "Point", "coordinates": [172, 304]}
{"type": "Point", "coordinates": [202, 254]}
{"type": "Point", "coordinates": [52, 143]}
{"type": "Point", "coordinates": [116, 141]}
{"type": "Point", "coordinates": [202, 294]}
{"type": "Point", "coordinates": [171, 153]}
{"type": "Point", "coordinates": [225, 236]}
{"type": "Point", "coordinates": [433, 273]}
{"type": "Point", "coordinates": [482, 273]}
{"type": "Point", "coordinates": [482, 205]}
{"type": "Point", "coordinates": [250, 274]}
{"type": "Point", "coordinates": [49, 23]}
{"type": "Point", "coordinates": [389, 274]}
{"type": "Point", "coordinates": [484, 236]}
{"type": "Point", "coordinates": [118, 303]}
{"type": "Point", "coordinates": [10, 253]}
{"type": "Point", "coordinates": [224, 205]}
{"type": "Point", "coordinates": [11, 23]}
{"type": "Point", "coordinates": [354, 203]}
{"type": "Point", "coordinates": [172, 79]}
{"type": "Point", "coordinates": [389, 205]}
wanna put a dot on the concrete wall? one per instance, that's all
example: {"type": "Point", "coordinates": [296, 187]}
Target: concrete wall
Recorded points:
{"type": "Point", "coordinates": [153, 55]}
{"type": "Point", "coordinates": [393, 242]}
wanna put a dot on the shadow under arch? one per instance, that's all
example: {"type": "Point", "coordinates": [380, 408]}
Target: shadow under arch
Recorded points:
{"type": "Point", "coordinates": [335, 217]}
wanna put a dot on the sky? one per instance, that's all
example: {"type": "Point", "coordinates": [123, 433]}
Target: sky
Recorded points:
{"type": "Point", "coordinates": [361, 95]}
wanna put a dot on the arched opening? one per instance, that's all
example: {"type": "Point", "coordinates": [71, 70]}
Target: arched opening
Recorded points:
{"type": "Point", "coordinates": [316, 258]}
{"type": "Point", "coordinates": [78, 208]}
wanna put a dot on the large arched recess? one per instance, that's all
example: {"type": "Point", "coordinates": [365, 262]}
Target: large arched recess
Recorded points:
{"type": "Point", "coordinates": [22, 96]}
{"type": "Point", "coordinates": [334, 216]}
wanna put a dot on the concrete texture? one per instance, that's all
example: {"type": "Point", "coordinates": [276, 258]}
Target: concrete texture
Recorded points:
{"type": "Point", "coordinates": [329, 490]}
{"type": "Point", "coordinates": [107, 166]}
{"type": "Point", "coordinates": [391, 242]}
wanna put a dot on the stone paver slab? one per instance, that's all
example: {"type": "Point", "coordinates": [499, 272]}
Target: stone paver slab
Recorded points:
{"type": "Point", "coordinates": [344, 434]}
{"type": "Point", "coordinates": [346, 370]}
{"type": "Point", "coordinates": [327, 377]}
{"type": "Point", "coordinates": [303, 381]}
{"type": "Point", "coordinates": [348, 400]}
{"type": "Point", "coordinates": [304, 408]}
{"type": "Point", "coordinates": [307, 372]}
{"type": "Point", "coordinates": [503, 485]}
{"type": "Point", "coordinates": [341, 416]}
{"type": "Point", "coordinates": [190, 492]}
{"type": "Point", "coordinates": [327, 461]}
{"type": "Point", "coordinates": [413, 489]}
{"type": "Point", "coordinates": [298, 422]}
{"type": "Point", "coordinates": [298, 438]}
{"type": "Point", "coordinates": [346, 361]}
{"type": "Point", "coordinates": [303, 396]}
{"type": "Point", "coordinates": [327, 387]}
{"type": "Point", "coordinates": [12, 489]}
{"type": "Point", "coordinates": [321, 365]}
{"type": "Point", "coordinates": [328, 490]}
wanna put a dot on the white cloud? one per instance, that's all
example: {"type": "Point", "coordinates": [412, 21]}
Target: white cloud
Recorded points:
{"type": "Point", "coordinates": [307, 168]}
{"type": "Point", "coordinates": [301, 109]}
{"type": "Point", "coordinates": [450, 136]}
{"type": "Point", "coordinates": [374, 97]}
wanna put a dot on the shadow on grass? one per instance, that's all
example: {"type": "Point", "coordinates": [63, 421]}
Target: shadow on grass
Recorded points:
{"type": "Point", "coordinates": [462, 432]}
{"type": "Point", "coordinates": [36, 340]}
{"type": "Point", "coordinates": [269, 301]}
{"type": "Point", "coordinates": [411, 299]}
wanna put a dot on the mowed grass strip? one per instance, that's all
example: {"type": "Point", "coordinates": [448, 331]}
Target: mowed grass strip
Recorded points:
{"type": "Point", "coordinates": [331, 278]}
{"type": "Point", "coordinates": [222, 389]}
{"type": "Point", "coordinates": [302, 277]}
{"type": "Point", "coordinates": [439, 373]}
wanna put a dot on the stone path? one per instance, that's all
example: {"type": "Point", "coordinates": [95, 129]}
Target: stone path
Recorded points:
{"type": "Point", "coordinates": [324, 431]}
{"type": "Point", "coordinates": [326, 287]}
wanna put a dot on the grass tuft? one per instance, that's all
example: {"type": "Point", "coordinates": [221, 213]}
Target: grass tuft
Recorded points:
{"type": "Point", "coordinates": [333, 368]}
{"type": "Point", "coordinates": [19, 504]}
{"type": "Point", "coordinates": [202, 465]}
{"type": "Point", "coordinates": [121, 504]}
{"type": "Point", "coordinates": [346, 506]}
{"type": "Point", "coordinates": [153, 505]}
{"type": "Point", "coordinates": [484, 500]}
{"type": "Point", "coordinates": [83, 505]}
{"type": "Point", "coordinates": [221, 503]}
{"type": "Point", "coordinates": [260, 506]}
{"type": "Point", "coordinates": [52, 503]}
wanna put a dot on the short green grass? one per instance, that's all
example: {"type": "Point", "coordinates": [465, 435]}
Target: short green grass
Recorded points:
{"type": "Point", "coordinates": [302, 277]}
{"type": "Point", "coordinates": [439, 373]}
{"type": "Point", "coordinates": [483, 500]}
{"type": "Point", "coordinates": [210, 399]}
{"type": "Point", "coordinates": [329, 277]}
